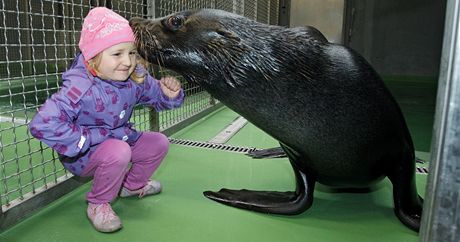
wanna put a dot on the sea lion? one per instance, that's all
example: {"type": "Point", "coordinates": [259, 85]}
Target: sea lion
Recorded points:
{"type": "Point", "coordinates": [323, 102]}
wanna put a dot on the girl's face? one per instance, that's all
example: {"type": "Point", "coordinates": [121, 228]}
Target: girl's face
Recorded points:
{"type": "Point", "coordinates": [118, 62]}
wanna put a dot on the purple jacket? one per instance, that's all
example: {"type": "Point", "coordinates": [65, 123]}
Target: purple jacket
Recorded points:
{"type": "Point", "coordinates": [88, 110]}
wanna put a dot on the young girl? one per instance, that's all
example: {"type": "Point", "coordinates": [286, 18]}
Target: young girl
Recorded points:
{"type": "Point", "coordinates": [86, 122]}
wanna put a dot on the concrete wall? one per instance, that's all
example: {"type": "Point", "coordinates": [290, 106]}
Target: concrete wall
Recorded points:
{"type": "Point", "coordinates": [399, 38]}
{"type": "Point", "coordinates": [325, 15]}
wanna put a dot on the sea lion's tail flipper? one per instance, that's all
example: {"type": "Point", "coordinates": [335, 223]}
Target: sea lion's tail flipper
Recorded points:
{"type": "Point", "coordinates": [408, 204]}
{"type": "Point", "coordinates": [276, 152]}
{"type": "Point", "coordinates": [287, 203]}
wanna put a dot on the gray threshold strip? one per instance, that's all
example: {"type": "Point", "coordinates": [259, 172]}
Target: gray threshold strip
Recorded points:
{"type": "Point", "coordinates": [218, 142]}
{"type": "Point", "coordinates": [229, 131]}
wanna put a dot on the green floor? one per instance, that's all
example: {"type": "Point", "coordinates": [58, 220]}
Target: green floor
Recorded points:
{"type": "Point", "coordinates": [182, 213]}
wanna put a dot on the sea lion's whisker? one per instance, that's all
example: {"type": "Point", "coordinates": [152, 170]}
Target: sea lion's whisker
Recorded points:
{"type": "Point", "coordinates": [160, 62]}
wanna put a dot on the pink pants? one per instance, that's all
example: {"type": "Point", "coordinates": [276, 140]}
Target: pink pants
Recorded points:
{"type": "Point", "coordinates": [110, 162]}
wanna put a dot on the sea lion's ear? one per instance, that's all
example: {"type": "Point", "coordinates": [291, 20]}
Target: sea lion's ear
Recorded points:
{"type": "Point", "coordinates": [228, 34]}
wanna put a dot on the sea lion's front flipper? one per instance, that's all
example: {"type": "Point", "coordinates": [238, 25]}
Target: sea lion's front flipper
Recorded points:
{"type": "Point", "coordinates": [276, 152]}
{"type": "Point", "coordinates": [287, 203]}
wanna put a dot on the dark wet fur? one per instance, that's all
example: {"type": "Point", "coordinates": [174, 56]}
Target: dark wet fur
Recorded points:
{"type": "Point", "coordinates": [333, 116]}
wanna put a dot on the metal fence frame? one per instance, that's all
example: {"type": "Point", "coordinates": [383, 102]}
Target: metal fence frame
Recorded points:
{"type": "Point", "coordinates": [40, 41]}
{"type": "Point", "coordinates": [441, 211]}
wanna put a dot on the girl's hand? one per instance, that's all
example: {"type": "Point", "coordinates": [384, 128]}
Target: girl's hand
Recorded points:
{"type": "Point", "coordinates": [170, 86]}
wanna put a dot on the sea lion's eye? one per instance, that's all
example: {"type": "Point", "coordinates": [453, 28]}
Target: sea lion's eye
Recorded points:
{"type": "Point", "coordinates": [175, 22]}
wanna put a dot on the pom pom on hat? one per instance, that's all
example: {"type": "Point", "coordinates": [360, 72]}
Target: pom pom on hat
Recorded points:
{"type": "Point", "coordinates": [103, 28]}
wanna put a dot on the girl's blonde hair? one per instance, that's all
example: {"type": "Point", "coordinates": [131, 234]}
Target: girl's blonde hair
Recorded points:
{"type": "Point", "coordinates": [135, 76]}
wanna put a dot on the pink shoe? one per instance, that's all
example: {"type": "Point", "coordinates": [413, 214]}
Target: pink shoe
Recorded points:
{"type": "Point", "coordinates": [153, 187]}
{"type": "Point", "coordinates": [103, 217]}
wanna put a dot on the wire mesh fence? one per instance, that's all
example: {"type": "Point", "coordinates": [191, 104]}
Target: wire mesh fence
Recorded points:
{"type": "Point", "coordinates": [38, 41]}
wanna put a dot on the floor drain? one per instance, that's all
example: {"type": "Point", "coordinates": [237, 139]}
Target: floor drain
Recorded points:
{"type": "Point", "coordinates": [422, 170]}
{"type": "Point", "coordinates": [210, 145]}
{"type": "Point", "coordinates": [238, 149]}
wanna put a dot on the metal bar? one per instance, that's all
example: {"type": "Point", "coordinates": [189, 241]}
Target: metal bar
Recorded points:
{"type": "Point", "coordinates": [284, 13]}
{"type": "Point", "coordinates": [441, 211]}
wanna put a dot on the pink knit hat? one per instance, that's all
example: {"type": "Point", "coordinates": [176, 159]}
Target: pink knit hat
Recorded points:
{"type": "Point", "coordinates": [103, 28]}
